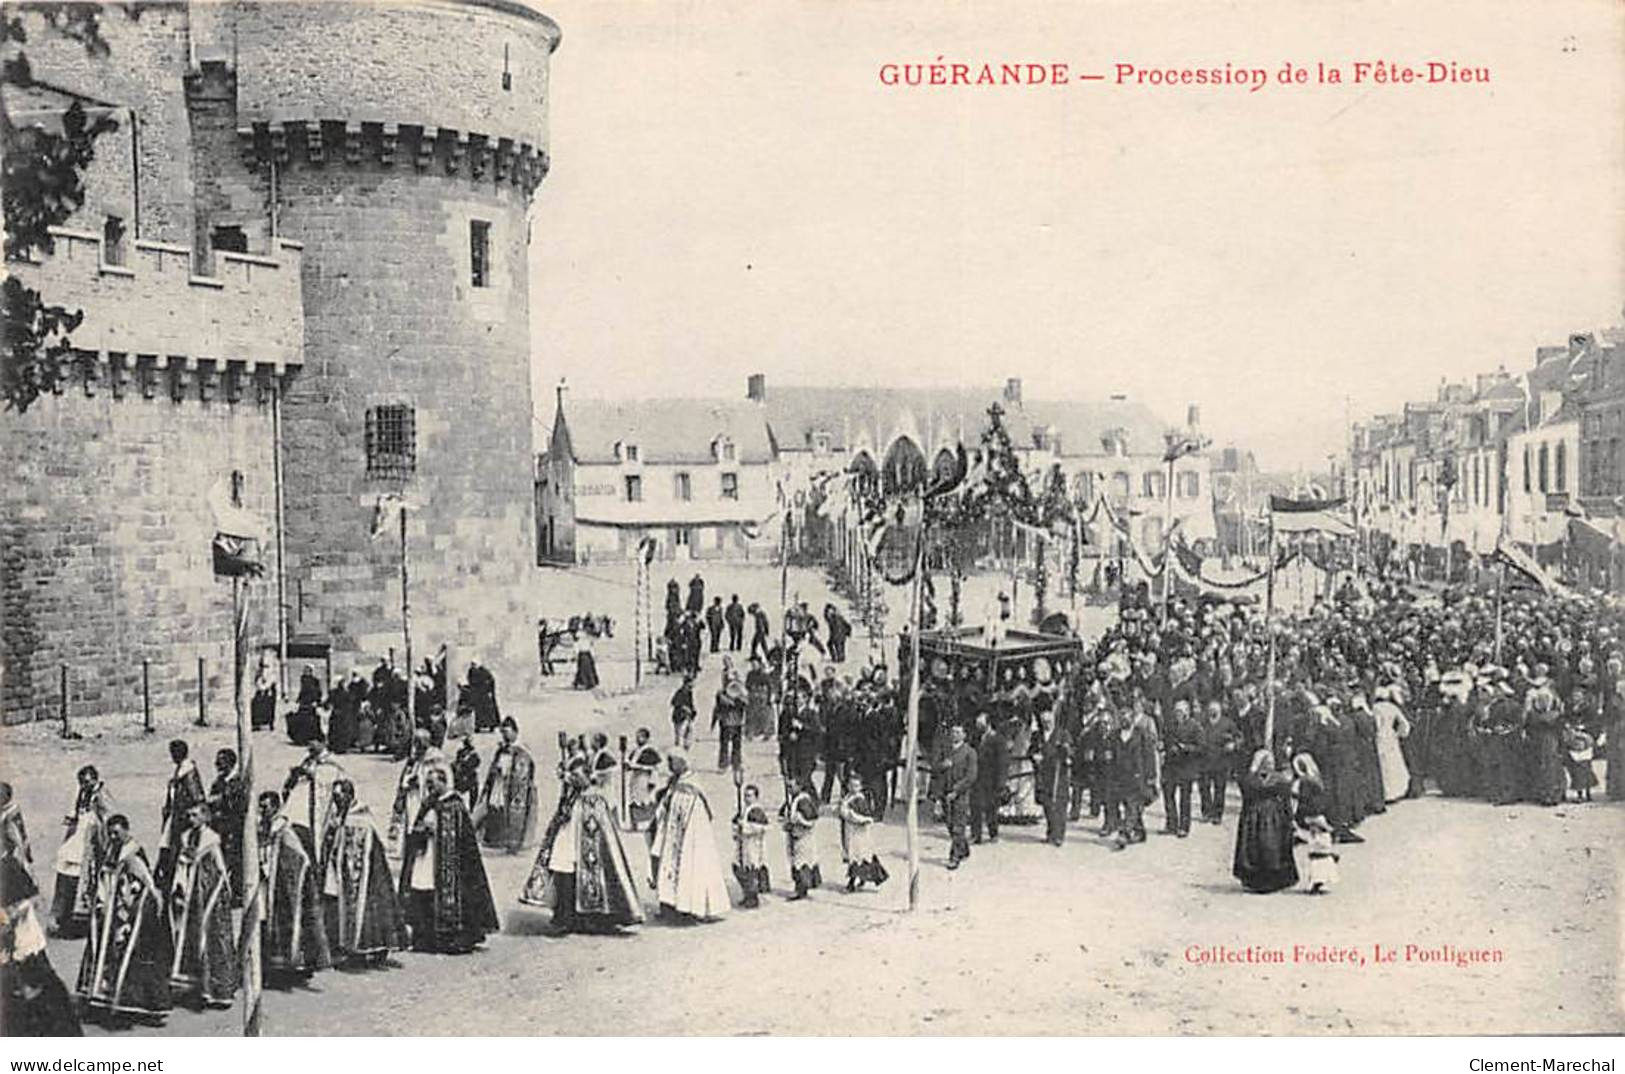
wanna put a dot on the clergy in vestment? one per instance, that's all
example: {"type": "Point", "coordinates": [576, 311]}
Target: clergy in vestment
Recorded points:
{"type": "Point", "coordinates": [800, 834]}
{"type": "Point", "coordinates": [293, 940]}
{"type": "Point", "coordinates": [183, 791]}
{"type": "Point", "coordinates": [308, 791]}
{"type": "Point", "coordinates": [359, 908]}
{"type": "Point", "coordinates": [683, 853]}
{"type": "Point", "coordinates": [643, 768]}
{"type": "Point", "coordinates": [76, 858]}
{"type": "Point", "coordinates": [583, 872]}
{"type": "Point", "coordinates": [33, 1000]}
{"type": "Point", "coordinates": [228, 811]}
{"type": "Point", "coordinates": [409, 787]}
{"type": "Point", "coordinates": [750, 836]}
{"type": "Point", "coordinates": [857, 837]}
{"type": "Point", "coordinates": [443, 883]}
{"type": "Point", "coordinates": [506, 813]}
{"type": "Point", "coordinates": [204, 968]}
{"type": "Point", "coordinates": [127, 960]}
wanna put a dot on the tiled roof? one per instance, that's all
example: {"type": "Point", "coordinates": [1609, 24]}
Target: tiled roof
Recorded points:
{"type": "Point", "coordinates": [664, 430]}
{"type": "Point", "coordinates": [856, 418]}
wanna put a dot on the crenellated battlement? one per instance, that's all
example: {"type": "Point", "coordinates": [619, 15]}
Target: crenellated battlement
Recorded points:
{"type": "Point", "coordinates": [340, 143]}
{"type": "Point", "coordinates": [159, 326]}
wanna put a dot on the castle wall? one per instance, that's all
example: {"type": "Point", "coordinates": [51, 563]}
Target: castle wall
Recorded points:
{"type": "Point", "coordinates": [146, 61]}
{"type": "Point", "coordinates": [105, 517]}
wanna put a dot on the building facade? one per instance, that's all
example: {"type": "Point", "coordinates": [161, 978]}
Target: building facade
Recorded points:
{"type": "Point", "coordinates": [695, 477]}
{"type": "Point", "coordinates": [289, 208]}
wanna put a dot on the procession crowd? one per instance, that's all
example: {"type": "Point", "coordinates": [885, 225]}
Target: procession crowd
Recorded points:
{"type": "Point", "coordinates": [1377, 695]}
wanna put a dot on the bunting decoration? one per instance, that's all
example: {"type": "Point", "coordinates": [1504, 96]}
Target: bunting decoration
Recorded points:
{"type": "Point", "coordinates": [1310, 516]}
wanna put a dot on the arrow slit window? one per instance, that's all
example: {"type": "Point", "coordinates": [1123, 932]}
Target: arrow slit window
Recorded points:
{"type": "Point", "coordinates": [391, 441]}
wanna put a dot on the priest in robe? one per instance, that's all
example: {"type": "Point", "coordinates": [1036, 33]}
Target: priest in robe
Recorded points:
{"type": "Point", "coordinates": [308, 790]}
{"type": "Point", "coordinates": [506, 813]}
{"type": "Point", "coordinates": [360, 911]}
{"type": "Point", "coordinates": [204, 968]}
{"type": "Point", "coordinates": [228, 812]}
{"type": "Point", "coordinates": [128, 956]}
{"type": "Point", "coordinates": [582, 872]}
{"type": "Point", "coordinates": [183, 791]}
{"type": "Point", "coordinates": [443, 883]}
{"type": "Point", "coordinates": [293, 941]}
{"type": "Point", "coordinates": [643, 774]}
{"type": "Point", "coordinates": [409, 787]}
{"type": "Point", "coordinates": [683, 854]}
{"type": "Point", "coordinates": [33, 1000]}
{"type": "Point", "coordinates": [76, 858]}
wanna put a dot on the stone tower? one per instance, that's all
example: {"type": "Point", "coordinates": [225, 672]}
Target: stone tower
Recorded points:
{"type": "Point", "coordinates": [400, 141]}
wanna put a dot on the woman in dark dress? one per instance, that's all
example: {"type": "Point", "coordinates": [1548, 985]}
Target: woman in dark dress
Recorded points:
{"type": "Point", "coordinates": [1264, 860]}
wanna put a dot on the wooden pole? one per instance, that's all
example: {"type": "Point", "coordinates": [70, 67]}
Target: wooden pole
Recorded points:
{"type": "Point", "coordinates": [406, 632]}
{"type": "Point", "coordinates": [146, 695]}
{"type": "Point", "coordinates": [63, 694]}
{"type": "Point", "coordinates": [1500, 590]}
{"type": "Point", "coordinates": [1269, 627]}
{"type": "Point", "coordinates": [202, 697]}
{"type": "Point", "coordinates": [281, 552]}
{"type": "Point", "coordinates": [1167, 548]}
{"type": "Point", "coordinates": [252, 910]}
{"type": "Point", "coordinates": [637, 621]}
{"type": "Point", "coordinates": [913, 757]}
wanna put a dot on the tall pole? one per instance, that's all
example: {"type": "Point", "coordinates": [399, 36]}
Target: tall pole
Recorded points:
{"type": "Point", "coordinates": [1500, 590]}
{"type": "Point", "coordinates": [913, 757]}
{"type": "Point", "coordinates": [637, 621]}
{"type": "Point", "coordinates": [1269, 627]}
{"type": "Point", "coordinates": [1167, 527]}
{"type": "Point", "coordinates": [406, 629]}
{"type": "Point", "coordinates": [281, 549]}
{"type": "Point", "coordinates": [251, 853]}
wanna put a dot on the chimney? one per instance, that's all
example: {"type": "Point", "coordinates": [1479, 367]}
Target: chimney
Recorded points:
{"type": "Point", "coordinates": [756, 387]}
{"type": "Point", "coordinates": [1012, 391]}
{"type": "Point", "coordinates": [1193, 416]}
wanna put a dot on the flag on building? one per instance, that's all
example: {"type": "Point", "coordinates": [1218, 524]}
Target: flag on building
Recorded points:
{"type": "Point", "coordinates": [1311, 516]}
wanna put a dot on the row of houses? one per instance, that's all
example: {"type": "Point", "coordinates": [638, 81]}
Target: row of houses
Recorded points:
{"type": "Point", "coordinates": [1536, 457]}
{"type": "Point", "coordinates": [708, 478]}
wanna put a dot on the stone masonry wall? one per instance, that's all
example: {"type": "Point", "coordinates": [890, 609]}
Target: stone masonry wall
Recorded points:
{"type": "Point", "coordinates": [391, 318]}
{"type": "Point", "coordinates": [105, 558]}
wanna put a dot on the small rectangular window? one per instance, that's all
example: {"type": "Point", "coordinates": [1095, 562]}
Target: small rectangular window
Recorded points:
{"type": "Point", "coordinates": [730, 486]}
{"type": "Point", "coordinates": [229, 237]}
{"type": "Point", "coordinates": [685, 488]}
{"type": "Point", "coordinates": [631, 453]}
{"type": "Point", "coordinates": [682, 536]}
{"type": "Point", "coordinates": [479, 252]}
{"type": "Point", "coordinates": [113, 240]}
{"type": "Point", "coordinates": [634, 490]}
{"type": "Point", "coordinates": [391, 441]}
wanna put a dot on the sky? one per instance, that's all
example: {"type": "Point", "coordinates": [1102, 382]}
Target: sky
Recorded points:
{"type": "Point", "coordinates": [734, 190]}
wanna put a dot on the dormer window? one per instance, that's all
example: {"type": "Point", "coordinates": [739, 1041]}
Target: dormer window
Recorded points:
{"type": "Point", "coordinates": [626, 452]}
{"type": "Point", "coordinates": [722, 449]}
{"type": "Point", "coordinates": [820, 442]}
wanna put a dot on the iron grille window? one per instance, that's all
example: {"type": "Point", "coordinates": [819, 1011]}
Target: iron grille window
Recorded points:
{"type": "Point", "coordinates": [479, 251]}
{"type": "Point", "coordinates": [730, 486]}
{"type": "Point", "coordinates": [392, 442]}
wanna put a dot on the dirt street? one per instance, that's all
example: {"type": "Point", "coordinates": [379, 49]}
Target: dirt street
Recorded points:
{"type": "Point", "coordinates": [1026, 938]}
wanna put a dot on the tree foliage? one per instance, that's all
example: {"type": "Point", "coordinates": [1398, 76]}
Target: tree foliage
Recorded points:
{"type": "Point", "coordinates": [43, 186]}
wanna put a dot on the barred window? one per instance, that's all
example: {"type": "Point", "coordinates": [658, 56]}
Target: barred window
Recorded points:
{"type": "Point", "coordinates": [392, 442]}
{"type": "Point", "coordinates": [479, 251]}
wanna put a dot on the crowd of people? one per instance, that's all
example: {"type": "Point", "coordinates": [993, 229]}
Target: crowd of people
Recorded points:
{"type": "Point", "coordinates": [1379, 694]}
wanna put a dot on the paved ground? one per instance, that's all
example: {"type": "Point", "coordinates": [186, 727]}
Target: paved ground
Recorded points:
{"type": "Point", "coordinates": [1025, 939]}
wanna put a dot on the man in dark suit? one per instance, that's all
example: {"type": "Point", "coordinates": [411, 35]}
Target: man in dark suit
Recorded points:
{"type": "Point", "coordinates": [1052, 766]}
{"type": "Point", "coordinates": [1221, 742]}
{"type": "Point", "coordinates": [734, 616]}
{"type": "Point", "coordinates": [713, 622]}
{"type": "Point", "coordinates": [1182, 762]}
{"type": "Point", "coordinates": [992, 768]}
{"type": "Point", "coordinates": [761, 631]}
{"type": "Point", "coordinates": [959, 780]}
